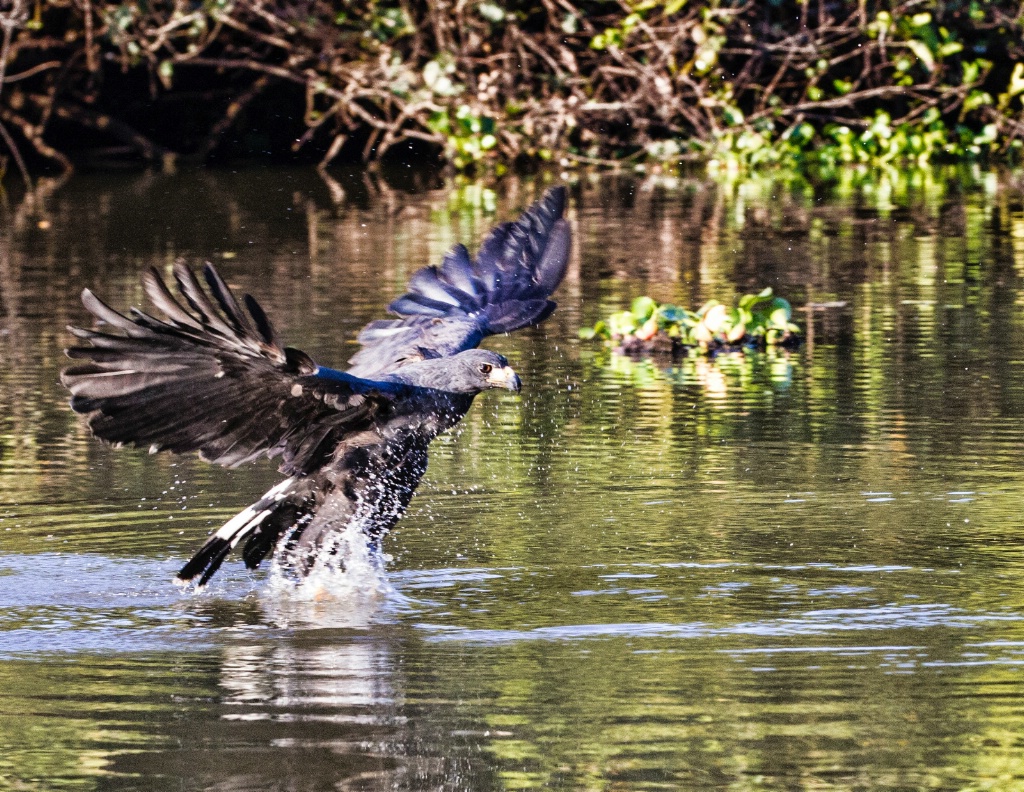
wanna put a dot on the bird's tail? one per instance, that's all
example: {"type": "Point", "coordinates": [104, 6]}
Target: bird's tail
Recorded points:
{"type": "Point", "coordinates": [287, 506]}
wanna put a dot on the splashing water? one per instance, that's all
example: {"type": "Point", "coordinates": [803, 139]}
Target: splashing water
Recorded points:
{"type": "Point", "coordinates": [346, 586]}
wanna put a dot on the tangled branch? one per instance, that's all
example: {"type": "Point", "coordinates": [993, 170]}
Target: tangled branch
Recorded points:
{"type": "Point", "coordinates": [492, 82]}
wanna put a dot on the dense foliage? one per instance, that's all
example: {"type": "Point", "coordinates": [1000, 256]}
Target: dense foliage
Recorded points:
{"type": "Point", "coordinates": [492, 82]}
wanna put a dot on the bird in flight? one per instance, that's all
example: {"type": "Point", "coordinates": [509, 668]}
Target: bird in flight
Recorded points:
{"type": "Point", "coordinates": [213, 376]}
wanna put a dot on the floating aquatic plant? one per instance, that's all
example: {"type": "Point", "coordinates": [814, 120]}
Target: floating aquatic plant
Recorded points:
{"type": "Point", "coordinates": [758, 320]}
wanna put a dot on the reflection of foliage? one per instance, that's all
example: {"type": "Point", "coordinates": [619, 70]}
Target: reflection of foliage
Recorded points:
{"type": "Point", "coordinates": [758, 320]}
{"type": "Point", "coordinates": [61, 752]}
{"type": "Point", "coordinates": [715, 376]}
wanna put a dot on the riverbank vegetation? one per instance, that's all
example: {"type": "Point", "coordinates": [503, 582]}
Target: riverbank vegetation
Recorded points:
{"type": "Point", "coordinates": [485, 85]}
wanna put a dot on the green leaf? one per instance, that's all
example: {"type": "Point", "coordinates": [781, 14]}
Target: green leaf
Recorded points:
{"type": "Point", "coordinates": [920, 49]}
{"type": "Point", "coordinates": [733, 116]}
{"type": "Point", "coordinates": [779, 306]}
{"type": "Point", "coordinates": [976, 99]}
{"type": "Point", "coordinates": [702, 311]}
{"type": "Point", "coordinates": [717, 318]}
{"type": "Point", "coordinates": [642, 308]}
{"type": "Point", "coordinates": [989, 134]}
{"type": "Point", "coordinates": [165, 71]}
{"type": "Point", "coordinates": [622, 323]}
{"type": "Point", "coordinates": [972, 70]}
{"type": "Point", "coordinates": [672, 314]}
{"type": "Point", "coordinates": [438, 122]}
{"type": "Point", "coordinates": [492, 12]}
{"type": "Point", "coordinates": [1016, 85]}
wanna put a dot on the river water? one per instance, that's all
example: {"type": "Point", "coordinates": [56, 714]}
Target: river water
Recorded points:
{"type": "Point", "coordinates": [775, 571]}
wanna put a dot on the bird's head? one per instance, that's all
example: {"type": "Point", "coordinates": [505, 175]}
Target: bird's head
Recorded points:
{"type": "Point", "coordinates": [467, 372]}
{"type": "Point", "coordinates": [477, 370]}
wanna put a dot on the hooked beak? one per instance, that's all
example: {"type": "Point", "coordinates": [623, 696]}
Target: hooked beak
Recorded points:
{"type": "Point", "coordinates": [505, 377]}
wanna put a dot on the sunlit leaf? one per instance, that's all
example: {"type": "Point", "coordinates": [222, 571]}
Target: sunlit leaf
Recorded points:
{"type": "Point", "coordinates": [920, 49]}
{"type": "Point", "coordinates": [642, 308]}
{"type": "Point", "coordinates": [648, 330]}
{"type": "Point", "coordinates": [778, 304]}
{"type": "Point", "coordinates": [716, 318]}
{"type": "Point", "coordinates": [702, 334]}
{"type": "Point", "coordinates": [491, 11]}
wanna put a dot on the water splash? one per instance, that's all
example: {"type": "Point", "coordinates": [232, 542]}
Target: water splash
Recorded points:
{"type": "Point", "coordinates": [346, 587]}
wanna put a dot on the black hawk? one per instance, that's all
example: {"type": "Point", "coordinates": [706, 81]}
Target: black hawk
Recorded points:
{"type": "Point", "coordinates": [214, 377]}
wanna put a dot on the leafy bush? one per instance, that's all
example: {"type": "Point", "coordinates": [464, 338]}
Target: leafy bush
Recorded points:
{"type": "Point", "coordinates": [487, 83]}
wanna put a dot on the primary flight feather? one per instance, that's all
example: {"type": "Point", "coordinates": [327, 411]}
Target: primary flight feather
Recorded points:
{"type": "Point", "coordinates": [213, 376]}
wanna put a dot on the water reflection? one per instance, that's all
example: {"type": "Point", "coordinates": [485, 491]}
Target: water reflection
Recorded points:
{"type": "Point", "coordinates": [338, 707]}
{"type": "Point", "coordinates": [722, 379]}
{"type": "Point", "coordinates": [281, 677]}
{"type": "Point", "coordinates": [787, 570]}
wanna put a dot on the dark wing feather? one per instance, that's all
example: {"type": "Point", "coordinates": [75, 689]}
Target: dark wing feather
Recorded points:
{"type": "Point", "coordinates": [213, 378]}
{"type": "Point", "coordinates": [453, 307]}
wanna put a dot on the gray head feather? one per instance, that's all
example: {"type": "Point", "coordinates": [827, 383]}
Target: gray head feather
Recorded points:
{"type": "Point", "coordinates": [472, 371]}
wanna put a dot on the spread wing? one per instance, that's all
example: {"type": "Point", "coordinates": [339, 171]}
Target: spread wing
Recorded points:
{"type": "Point", "coordinates": [213, 378]}
{"type": "Point", "coordinates": [451, 308]}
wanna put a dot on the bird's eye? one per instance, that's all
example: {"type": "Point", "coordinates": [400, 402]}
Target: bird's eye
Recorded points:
{"type": "Point", "coordinates": [485, 368]}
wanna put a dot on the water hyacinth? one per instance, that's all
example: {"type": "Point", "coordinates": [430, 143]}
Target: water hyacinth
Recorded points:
{"type": "Point", "coordinates": [758, 320]}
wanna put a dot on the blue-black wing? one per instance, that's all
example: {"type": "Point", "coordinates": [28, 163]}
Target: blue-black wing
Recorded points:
{"type": "Point", "coordinates": [214, 378]}
{"type": "Point", "coordinates": [451, 308]}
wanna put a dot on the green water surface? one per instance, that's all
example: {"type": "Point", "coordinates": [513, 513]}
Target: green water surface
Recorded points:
{"type": "Point", "coordinates": [775, 571]}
